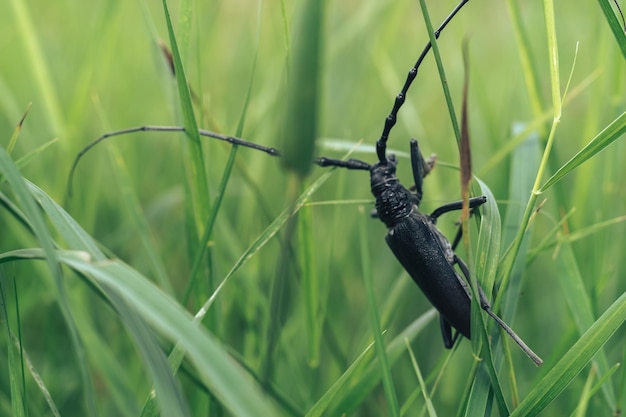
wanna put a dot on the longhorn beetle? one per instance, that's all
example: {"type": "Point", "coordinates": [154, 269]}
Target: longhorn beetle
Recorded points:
{"type": "Point", "coordinates": [413, 237]}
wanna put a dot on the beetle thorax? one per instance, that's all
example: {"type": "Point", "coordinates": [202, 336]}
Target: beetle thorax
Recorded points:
{"type": "Point", "coordinates": [393, 201]}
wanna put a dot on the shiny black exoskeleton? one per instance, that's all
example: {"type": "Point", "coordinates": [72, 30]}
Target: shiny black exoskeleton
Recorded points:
{"type": "Point", "coordinates": [424, 252]}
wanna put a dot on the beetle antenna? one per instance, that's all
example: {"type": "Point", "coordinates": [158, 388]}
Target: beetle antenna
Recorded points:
{"type": "Point", "coordinates": [230, 139]}
{"type": "Point", "coordinates": [390, 121]}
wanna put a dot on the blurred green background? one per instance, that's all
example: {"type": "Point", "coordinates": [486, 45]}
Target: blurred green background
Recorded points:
{"type": "Point", "coordinates": [92, 67]}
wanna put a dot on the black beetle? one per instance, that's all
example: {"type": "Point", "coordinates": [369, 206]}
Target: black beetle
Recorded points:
{"type": "Point", "coordinates": [424, 252]}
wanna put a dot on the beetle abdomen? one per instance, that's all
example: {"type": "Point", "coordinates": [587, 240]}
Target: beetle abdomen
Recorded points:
{"type": "Point", "coordinates": [419, 250]}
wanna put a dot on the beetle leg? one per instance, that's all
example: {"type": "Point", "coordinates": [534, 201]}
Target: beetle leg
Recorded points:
{"type": "Point", "coordinates": [459, 233]}
{"type": "Point", "coordinates": [446, 333]}
{"type": "Point", "coordinates": [421, 167]}
{"type": "Point", "coordinates": [457, 205]}
{"type": "Point", "coordinates": [484, 304]}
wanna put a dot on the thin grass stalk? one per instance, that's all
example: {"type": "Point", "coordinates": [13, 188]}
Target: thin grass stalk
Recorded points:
{"type": "Point", "coordinates": [556, 116]}
{"type": "Point", "coordinates": [390, 391]}
{"type": "Point", "coordinates": [442, 74]}
{"type": "Point", "coordinates": [194, 164]}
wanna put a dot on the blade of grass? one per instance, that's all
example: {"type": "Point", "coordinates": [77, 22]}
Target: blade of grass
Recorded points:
{"type": "Point", "coordinates": [204, 246]}
{"type": "Point", "coordinates": [303, 94]}
{"type": "Point", "coordinates": [129, 200]}
{"type": "Point", "coordinates": [41, 70]}
{"type": "Point", "coordinates": [607, 136]}
{"type": "Point", "coordinates": [600, 383]}
{"type": "Point", "coordinates": [15, 360]}
{"type": "Point", "coordinates": [486, 261]}
{"type": "Point", "coordinates": [194, 165]}
{"type": "Point", "coordinates": [226, 379]}
{"type": "Point", "coordinates": [311, 286]}
{"type": "Point", "coordinates": [580, 306]}
{"type": "Point", "coordinates": [573, 361]}
{"type": "Point", "coordinates": [429, 404]}
{"type": "Point", "coordinates": [169, 394]}
{"type": "Point", "coordinates": [18, 129]}
{"type": "Point", "coordinates": [581, 409]}
{"type": "Point", "coordinates": [178, 353]}
{"type": "Point", "coordinates": [619, 32]}
{"type": "Point", "coordinates": [442, 74]}
{"type": "Point", "coordinates": [511, 254]}
{"type": "Point", "coordinates": [154, 360]}
{"type": "Point", "coordinates": [14, 344]}
{"type": "Point", "coordinates": [381, 353]}
{"type": "Point", "coordinates": [529, 67]}
{"type": "Point", "coordinates": [322, 404]}
{"type": "Point", "coordinates": [32, 213]}
{"type": "Point", "coordinates": [363, 383]}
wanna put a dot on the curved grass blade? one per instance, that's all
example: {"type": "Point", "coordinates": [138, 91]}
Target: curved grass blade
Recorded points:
{"type": "Point", "coordinates": [32, 213]}
{"type": "Point", "coordinates": [196, 174]}
{"type": "Point", "coordinates": [355, 391]}
{"type": "Point", "coordinates": [18, 129]}
{"type": "Point", "coordinates": [170, 397]}
{"type": "Point", "coordinates": [573, 361]}
{"type": "Point", "coordinates": [15, 357]}
{"type": "Point", "coordinates": [322, 404]}
{"type": "Point", "coordinates": [429, 404]}
{"type": "Point", "coordinates": [381, 353]}
{"type": "Point", "coordinates": [227, 380]}
{"type": "Point", "coordinates": [608, 135]}
{"type": "Point", "coordinates": [619, 32]}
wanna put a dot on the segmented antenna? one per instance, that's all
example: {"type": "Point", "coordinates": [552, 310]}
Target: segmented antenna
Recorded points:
{"type": "Point", "coordinates": [390, 121]}
{"type": "Point", "coordinates": [230, 139]}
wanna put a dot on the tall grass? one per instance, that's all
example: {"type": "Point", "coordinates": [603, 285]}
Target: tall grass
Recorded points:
{"type": "Point", "coordinates": [154, 287]}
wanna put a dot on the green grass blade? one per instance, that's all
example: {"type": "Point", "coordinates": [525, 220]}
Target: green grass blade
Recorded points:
{"type": "Point", "coordinates": [16, 132]}
{"type": "Point", "coordinates": [581, 409]}
{"type": "Point", "coordinates": [442, 74]}
{"type": "Point", "coordinates": [38, 64]}
{"type": "Point", "coordinates": [130, 200]}
{"type": "Point", "coordinates": [580, 306]}
{"type": "Point", "coordinates": [381, 353]}
{"type": "Point", "coordinates": [619, 32]}
{"type": "Point", "coordinates": [600, 383]}
{"type": "Point", "coordinates": [429, 404]}
{"type": "Point", "coordinates": [178, 353]}
{"type": "Point", "coordinates": [32, 213]}
{"type": "Point", "coordinates": [312, 285]}
{"type": "Point", "coordinates": [14, 359]}
{"type": "Point", "coordinates": [266, 236]}
{"type": "Point", "coordinates": [524, 165]}
{"type": "Point", "coordinates": [14, 344]}
{"type": "Point", "coordinates": [303, 95]}
{"type": "Point", "coordinates": [25, 160]}
{"type": "Point", "coordinates": [169, 394]}
{"type": "Point", "coordinates": [73, 234]}
{"type": "Point", "coordinates": [553, 54]}
{"type": "Point", "coordinates": [196, 174]}
{"type": "Point", "coordinates": [355, 392]}
{"type": "Point", "coordinates": [508, 261]}
{"type": "Point", "coordinates": [607, 136]}
{"type": "Point", "coordinates": [210, 223]}
{"type": "Point", "coordinates": [529, 66]}
{"type": "Point", "coordinates": [486, 262]}
{"type": "Point", "coordinates": [227, 380]}
{"type": "Point", "coordinates": [573, 361]}
{"type": "Point", "coordinates": [322, 404]}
